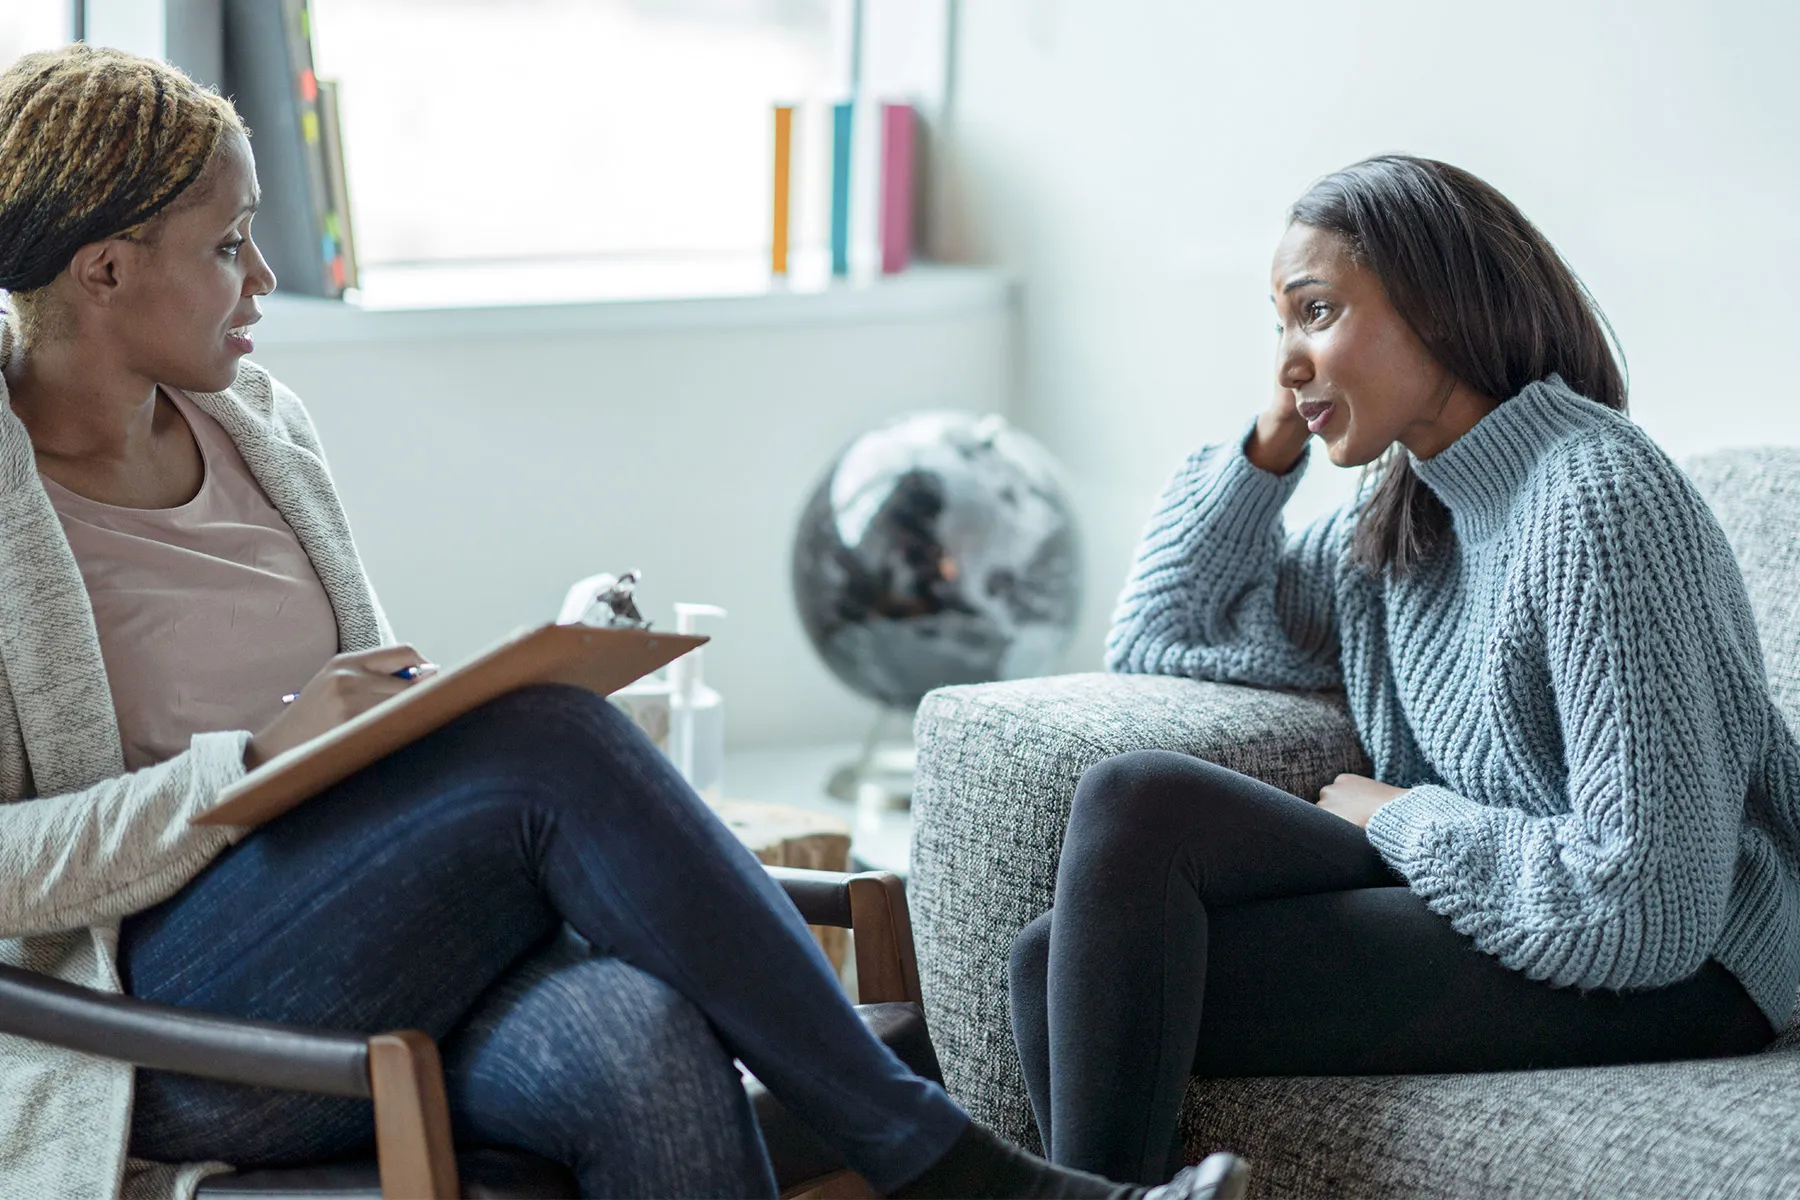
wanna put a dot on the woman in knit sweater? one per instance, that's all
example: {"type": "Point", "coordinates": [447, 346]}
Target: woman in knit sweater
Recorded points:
{"type": "Point", "coordinates": [1578, 843]}
{"type": "Point", "coordinates": [533, 884]}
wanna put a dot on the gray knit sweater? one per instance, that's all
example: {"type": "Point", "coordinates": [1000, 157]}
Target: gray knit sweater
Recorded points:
{"type": "Point", "coordinates": [1603, 794]}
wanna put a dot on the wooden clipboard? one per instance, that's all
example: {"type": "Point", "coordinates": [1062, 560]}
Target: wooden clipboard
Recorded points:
{"type": "Point", "coordinates": [601, 660]}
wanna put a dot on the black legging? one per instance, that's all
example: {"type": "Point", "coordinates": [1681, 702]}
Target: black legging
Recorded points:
{"type": "Point", "coordinates": [1186, 888]}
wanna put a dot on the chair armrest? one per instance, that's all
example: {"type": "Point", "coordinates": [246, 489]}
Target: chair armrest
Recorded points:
{"type": "Point", "coordinates": [872, 906]}
{"type": "Point", "coordinates": [998, 765]}
{"type": "Point", "coordinates": [165, 1038]}
{"type": "Point", "coordinates": [399, 1071]}
{"type": "Point", "coordinates": [263, 1053]}
{"type": "Point", "coordinates": [823, 897]}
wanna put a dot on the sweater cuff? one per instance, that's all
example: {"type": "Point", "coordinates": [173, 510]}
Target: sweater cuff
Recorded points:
{"type": "Point", "coordinates": [1292, 474]}
{"type": "Point", "coordinates": [1407, 829]}
{"type": "Point", "coordinates": [1240, 499]}
{"type": "Point", "coordinates": [218, 762]}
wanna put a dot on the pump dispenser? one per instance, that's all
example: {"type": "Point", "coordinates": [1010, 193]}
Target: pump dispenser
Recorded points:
{"type": "Point", "coordinates": [697, 712]}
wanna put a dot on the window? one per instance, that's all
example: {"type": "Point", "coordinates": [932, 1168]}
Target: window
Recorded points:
{"type": "Point", "coordinates": [568, 128]}
{"type": "Point", "coordinates": [27, 25]}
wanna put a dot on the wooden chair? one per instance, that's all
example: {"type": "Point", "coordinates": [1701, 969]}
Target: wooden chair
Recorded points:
{"type": "Point", "coordinates": [400, 1073]}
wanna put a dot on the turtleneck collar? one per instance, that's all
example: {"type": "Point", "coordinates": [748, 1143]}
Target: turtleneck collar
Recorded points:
{"type": "Point", "coordinates": [1478, 474]}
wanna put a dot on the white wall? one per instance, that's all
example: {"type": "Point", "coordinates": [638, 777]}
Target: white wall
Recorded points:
{"type": "Point", "coordinates": [1133, 159]}
{"type": "Point", "coordinates": [483, 475]}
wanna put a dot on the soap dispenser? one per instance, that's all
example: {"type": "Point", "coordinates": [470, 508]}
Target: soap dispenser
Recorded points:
{"type": "Point", "coordinates": [697, 713]}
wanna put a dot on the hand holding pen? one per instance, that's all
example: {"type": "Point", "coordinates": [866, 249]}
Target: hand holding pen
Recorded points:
{"type": "Point", "coordinates": [410, 674]}
{"type": "Point", "coordinates": [348, 686]}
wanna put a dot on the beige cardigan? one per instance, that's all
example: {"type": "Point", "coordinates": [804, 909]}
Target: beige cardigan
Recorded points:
{"type": "Point", "coordinates": [82, 843]}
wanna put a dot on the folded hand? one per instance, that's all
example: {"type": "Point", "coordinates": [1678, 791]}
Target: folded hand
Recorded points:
{"type": "Point", "coordinates": [1356, 797]}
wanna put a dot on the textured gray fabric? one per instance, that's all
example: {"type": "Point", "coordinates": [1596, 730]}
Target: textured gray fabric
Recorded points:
{"type": "Point", "coordinates": [998, 765]}
{"type": "Point", "coordinates": [1723, 1128]}
{"type": "Point", "coordinates": [1756, 496]}
{"type": "Point", "coordinates": [84, 844]}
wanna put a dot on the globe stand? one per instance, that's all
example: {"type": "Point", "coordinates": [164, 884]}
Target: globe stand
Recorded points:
{"type": "Point", "coordinates": [881, 777]}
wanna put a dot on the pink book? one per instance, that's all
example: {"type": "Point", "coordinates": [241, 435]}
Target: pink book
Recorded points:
{"type": "Point", "coordinates": [896, 187]}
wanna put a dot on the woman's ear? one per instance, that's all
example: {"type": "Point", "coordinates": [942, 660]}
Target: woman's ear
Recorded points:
{"type": "Point", "coordinates": [96, 271]}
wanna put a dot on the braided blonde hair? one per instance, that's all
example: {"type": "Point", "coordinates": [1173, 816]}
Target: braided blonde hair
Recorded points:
{"type": "Point", "coordinates": [94, 144]}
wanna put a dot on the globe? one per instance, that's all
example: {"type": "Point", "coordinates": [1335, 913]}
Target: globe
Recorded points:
{"type": "Point", "coordinates": [939, 549]}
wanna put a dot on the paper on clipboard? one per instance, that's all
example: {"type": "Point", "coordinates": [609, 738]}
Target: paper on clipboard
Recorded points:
{"type": "Point", "coordinates": [602, 660]}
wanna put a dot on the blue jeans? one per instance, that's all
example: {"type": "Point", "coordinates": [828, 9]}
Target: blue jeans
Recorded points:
{"type": "Point", "coordinates": [537, 887]}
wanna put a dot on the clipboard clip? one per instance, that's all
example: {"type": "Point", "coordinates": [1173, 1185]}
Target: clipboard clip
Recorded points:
{"type": "Point", "coordinates": [604, 601]}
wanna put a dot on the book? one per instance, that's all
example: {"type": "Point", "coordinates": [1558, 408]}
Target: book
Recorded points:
{"type": "Point", "coordinates": [337, 220]}
{"type": "Point", "coordinates": [602, 660]}
{"type": "Point", "coordinates": [843, 116]}
{"type": "Point", "coordinates": [784, 154]}
{"type": "Point", "coordinates": [268, 68]}
{"type": "Point", "coordinates": [897, 128]}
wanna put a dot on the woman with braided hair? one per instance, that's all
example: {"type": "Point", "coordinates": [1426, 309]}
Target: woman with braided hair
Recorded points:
{"type": "Point", "coordinates": [533, 885]}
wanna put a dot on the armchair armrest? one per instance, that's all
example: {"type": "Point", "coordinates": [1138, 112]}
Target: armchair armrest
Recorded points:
{"type": "Point", "coordinates": [823, 897]}
{"type": "Point", "coordinates": [872, 906]}
{"type": "Point", "coordinates": [165, 1038]}
{"type": "Point", "coordinates": [400, 1071]}
{"type": "Point", "coordinates": [998, 765]}
{"type": "Point", "coordinates": [1294, 740]}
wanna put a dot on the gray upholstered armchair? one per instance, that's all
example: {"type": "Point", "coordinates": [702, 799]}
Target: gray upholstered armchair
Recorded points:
{"type": "Point", "coordinates": [998, 765]}
{"type": "Point", "coordinates": [400, 1072]}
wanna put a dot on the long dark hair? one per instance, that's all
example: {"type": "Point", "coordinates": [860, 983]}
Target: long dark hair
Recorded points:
{"type": "Point", "coordinates": [1485, 291]}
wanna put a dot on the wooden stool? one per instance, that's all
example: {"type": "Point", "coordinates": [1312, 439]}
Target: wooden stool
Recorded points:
{"type": "Point", "coordinates": [781, 835]}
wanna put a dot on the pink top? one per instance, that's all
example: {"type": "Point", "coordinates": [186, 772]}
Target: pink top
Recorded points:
{"type": "Point", "coordinates": [208, 613]}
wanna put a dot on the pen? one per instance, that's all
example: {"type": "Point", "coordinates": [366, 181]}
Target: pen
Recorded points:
{"type": "Point", "coordinates": [407, 673]}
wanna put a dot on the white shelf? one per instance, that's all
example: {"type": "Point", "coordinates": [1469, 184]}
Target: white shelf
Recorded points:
{"type": "Point", "coordinates": [880, 838]}
{"type": "Point", "coordinates": [486, 300]}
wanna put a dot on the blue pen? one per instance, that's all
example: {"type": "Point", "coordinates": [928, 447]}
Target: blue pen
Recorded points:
{"type": "Point", "coordinates": [407, 673]}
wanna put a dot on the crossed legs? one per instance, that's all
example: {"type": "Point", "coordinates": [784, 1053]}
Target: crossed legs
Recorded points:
{"type": "Point", "coordinates": [1207, 923]}
{"type": "Point", "coordinates": [429, 891]}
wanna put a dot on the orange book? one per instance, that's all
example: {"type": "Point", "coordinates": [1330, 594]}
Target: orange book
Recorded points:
{"type": "Point", "coordinates": [784, 154]}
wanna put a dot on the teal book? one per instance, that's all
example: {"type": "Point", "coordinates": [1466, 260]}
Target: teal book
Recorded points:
{"type": "Point", "coordinates": [843, 118]}
{"type": "Point", "coordinates": [269, 73]}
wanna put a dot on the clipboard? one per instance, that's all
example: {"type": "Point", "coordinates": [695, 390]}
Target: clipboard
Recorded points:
{"type": "Point", "coordinates": [600, 659]}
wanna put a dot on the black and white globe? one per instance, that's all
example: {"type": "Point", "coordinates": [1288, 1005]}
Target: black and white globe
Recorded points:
{"type": "Point", "coordinates": [939, 549]}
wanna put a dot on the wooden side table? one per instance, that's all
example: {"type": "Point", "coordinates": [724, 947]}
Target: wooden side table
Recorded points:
{"type": "Point", "coordinates": [880, 838]}
{"type": "Point", "coordinates": [781, 835]}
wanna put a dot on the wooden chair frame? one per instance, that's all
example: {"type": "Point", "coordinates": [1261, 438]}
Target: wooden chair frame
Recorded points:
{"type": "Point", "coordinates": [399, 1071]}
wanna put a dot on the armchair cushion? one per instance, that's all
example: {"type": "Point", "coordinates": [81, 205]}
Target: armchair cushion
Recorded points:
{"type": "Point", "coordinates": [1717, 1128]}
